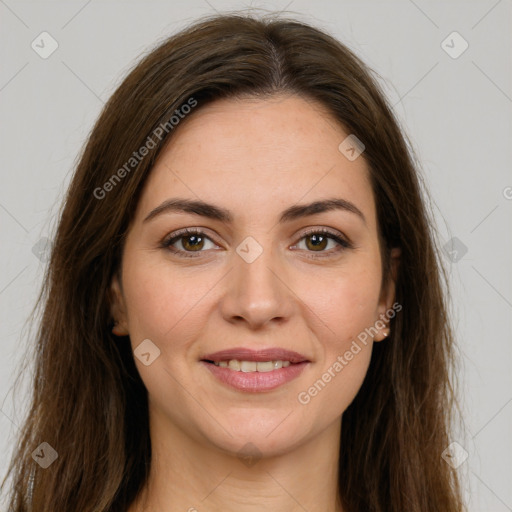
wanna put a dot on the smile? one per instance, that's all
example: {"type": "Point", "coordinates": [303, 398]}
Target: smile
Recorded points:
{"type": "Point", "coordinates": [246, 369]}
{"type": "Point", "coordinates": [252, 366]}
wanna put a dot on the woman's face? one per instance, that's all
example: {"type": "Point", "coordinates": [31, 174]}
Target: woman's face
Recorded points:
{"type": "Point", "coordinates": [254, 279]}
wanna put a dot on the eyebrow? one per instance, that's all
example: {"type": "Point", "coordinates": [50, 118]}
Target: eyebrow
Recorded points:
{"type": "Point", "coordinates": [179, 205]}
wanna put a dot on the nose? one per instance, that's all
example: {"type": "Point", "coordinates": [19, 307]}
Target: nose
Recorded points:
{"type": "Point", "coordinates": [257, 293]}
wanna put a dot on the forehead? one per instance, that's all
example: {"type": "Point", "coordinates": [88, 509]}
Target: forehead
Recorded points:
{"type": "Point", "coordinates": [258, 156]}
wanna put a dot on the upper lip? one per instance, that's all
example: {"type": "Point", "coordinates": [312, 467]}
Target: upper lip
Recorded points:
{"type": "Point", "coordinates": [247, 354]}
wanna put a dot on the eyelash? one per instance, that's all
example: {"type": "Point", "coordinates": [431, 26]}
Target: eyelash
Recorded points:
{"type": "Point", "coordinates": [174, 237]}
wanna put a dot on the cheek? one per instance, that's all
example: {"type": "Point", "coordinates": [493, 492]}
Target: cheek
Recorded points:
{"type": "Point", "coordinates": [347, 305]}
{"type": "Point", "coordinates": [346, 302]}
{"type": "Point", "coordinates": [346, 348]}
{"type": "Point", "coordinates": [337, 384]}
{"type": "Point", "coordinates": [163, 305]}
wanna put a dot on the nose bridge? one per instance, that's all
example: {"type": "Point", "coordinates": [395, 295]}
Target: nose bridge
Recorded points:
{"type": "Point", "coordinates": [256, 292]}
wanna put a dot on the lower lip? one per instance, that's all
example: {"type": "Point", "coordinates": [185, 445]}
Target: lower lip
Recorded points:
{"type": "Point", "coordinates": [256, 381]}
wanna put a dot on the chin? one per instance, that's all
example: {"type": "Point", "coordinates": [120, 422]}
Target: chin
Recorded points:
{"type": "Point", "coordinates": [268, 435]}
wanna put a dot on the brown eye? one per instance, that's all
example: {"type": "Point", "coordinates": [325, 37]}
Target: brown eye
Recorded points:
{"type": "Point", "coordinates": [323, 243]}
{"type": "Point", "coordinates": [192, 242]}
{"type": "Point", "coordinates": [187, 242]}
{"type": "Point", "coordinates": [316, 242]}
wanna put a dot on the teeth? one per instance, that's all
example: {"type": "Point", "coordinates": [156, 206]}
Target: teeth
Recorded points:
{"type": "Point", "coordinates": [234, 365]}
{"type": "Point", "coordinates": [252, 366]}
{"type": "Point", "coordinates": [267, 366]}
{"type": "Point", "coordinates": [248, 366]}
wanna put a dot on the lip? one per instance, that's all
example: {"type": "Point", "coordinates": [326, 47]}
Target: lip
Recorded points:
{"type": "Point", "coordinates": [255, 382]}
{"type": "Point", "coordinates": [247, 354]}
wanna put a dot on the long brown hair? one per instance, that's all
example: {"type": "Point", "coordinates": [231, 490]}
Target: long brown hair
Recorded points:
{"type": "Point", "coordinates": [88, 400]}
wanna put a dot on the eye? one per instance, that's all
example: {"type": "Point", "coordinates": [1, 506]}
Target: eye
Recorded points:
{"type": "Point", "coordinates": [321, 239]}
{"type": "Point", "coordinates": [188, 241]}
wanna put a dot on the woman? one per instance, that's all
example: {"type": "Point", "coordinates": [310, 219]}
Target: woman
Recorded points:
{"type": "Point", "coordinates": [244, 307]}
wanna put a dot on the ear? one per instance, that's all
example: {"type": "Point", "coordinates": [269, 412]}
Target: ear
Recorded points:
{"type": "Point", "coordinates": [118, 308]}
{"type": "Point", "coordinates": [387, 296]}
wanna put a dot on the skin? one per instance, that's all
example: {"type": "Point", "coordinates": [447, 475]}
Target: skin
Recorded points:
{"type": "Point", "coordinates": [255, 158]}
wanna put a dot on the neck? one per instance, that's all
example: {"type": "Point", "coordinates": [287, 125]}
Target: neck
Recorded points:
{"type": "Point", "coordinates": [194, 476]}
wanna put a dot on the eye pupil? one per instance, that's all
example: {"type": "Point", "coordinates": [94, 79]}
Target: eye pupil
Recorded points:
{"type": "Point", "coordinates": [193, 242]}
{"type": "Point", "coordinates": [318, 241]}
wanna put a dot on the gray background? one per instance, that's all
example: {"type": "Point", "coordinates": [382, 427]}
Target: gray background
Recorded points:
{"type": "Point", "coordinates": [457, 112]}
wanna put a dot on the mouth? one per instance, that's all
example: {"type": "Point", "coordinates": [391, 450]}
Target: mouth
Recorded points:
{"type": "Point", "coordinates": [255, 371]}
{"type": "Point", "coordinates": [251, 366]}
